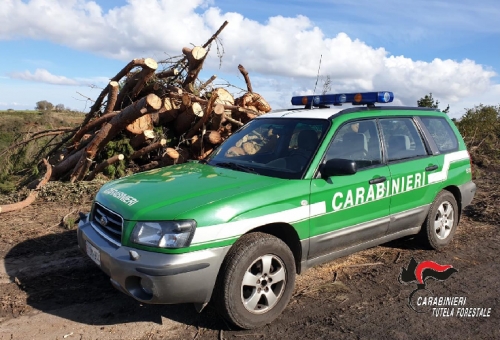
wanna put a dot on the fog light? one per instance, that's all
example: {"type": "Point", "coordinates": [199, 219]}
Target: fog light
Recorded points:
{"type": "Point", "coordinates": [147, 286]}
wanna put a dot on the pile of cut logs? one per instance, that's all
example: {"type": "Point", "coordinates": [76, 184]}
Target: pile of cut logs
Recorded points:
{"type": "Point", "coordinates": [160, 113]}
{"type": "Point", "coordinates": [167, 117]}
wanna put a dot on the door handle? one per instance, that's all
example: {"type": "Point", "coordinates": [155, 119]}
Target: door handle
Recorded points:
{"type": "Point", "coordinates": [431, 167]}
{"type": "Point", "coordinates": [377, 180]}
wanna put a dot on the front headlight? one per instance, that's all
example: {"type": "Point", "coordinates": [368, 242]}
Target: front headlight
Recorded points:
{"type": "Point", "coordinates": [165, 234]}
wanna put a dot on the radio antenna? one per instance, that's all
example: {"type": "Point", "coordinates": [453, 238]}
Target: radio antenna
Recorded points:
{"type": "Point", "coordinates": [317, 77]}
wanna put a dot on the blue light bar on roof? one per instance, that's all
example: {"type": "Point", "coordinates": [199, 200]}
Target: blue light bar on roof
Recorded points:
{"type": "Point", "coordinates": [362, 98]}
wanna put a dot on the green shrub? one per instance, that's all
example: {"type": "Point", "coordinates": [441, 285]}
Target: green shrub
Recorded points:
{"type": "Point", "coordinates": [480, 128]}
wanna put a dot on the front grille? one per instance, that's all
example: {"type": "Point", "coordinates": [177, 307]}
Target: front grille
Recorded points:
{"type": "Point", "coordinates": [107, 223]}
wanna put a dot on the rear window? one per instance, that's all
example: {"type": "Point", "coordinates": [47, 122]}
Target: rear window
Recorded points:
{"type": "Point", "coordinates": [442, 133]}
{"type": "Point", "coordinates": [402, 139]}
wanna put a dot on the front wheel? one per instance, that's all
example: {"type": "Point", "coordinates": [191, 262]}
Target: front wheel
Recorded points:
{"type": "Point", "coordinates": [441, 222]}
{"type": "Point", "coordinates": [256, 281]}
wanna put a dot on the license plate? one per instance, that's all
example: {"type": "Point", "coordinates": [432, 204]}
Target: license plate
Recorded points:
{"type": "Point", "coordinates": [93, 253]}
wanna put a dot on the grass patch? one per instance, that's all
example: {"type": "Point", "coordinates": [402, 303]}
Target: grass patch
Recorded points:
{"type": "Point", "coordinates": [14, 127]}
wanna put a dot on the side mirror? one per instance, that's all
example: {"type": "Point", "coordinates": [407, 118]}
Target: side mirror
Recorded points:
{"type": "Point", "coordinates": [338, 167]}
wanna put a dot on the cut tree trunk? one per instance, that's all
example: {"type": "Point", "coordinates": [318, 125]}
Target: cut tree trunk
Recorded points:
{"type": "Point", "coordinates": [206, 154]}
{"type": "Point", "coordinates": [112, 96]}
{"type": "Point", "coordinates": [186, 118]}
{"type": "Point", "coordinates": [149, 166]}
{"type": "Point", "coordinates": [200, 146]}
{"type": "Point", "coordinates": [255, 102]}
{"type": "Point", "coordinates": [170, 157]}
{"type": "Point", "coordinates": [195, 57]}
{"type": "Point", "coordinates": [231, 120]}
{"type": "Point", "coordinates": [103, 165]}
{"type": "Point", "coordinates": [140, 125]}
{"type": "Point", "coordinates": [247, 78]}
{"type": "Point", "coordinates": [143, 63]}
{"type": "Point", "coordinates": [186, 101]}
{"type": "Point", "coordinates": [98, 103]}
{"type": "Point", "coordinates": [32, 195]}
{"type": "Point", "coordinates": [92, 125]}
{"type": "Point", "coordinates": [217, 116]}
{"type": "Point", "coordinates": [175, 90]}
{"type": "Point", "coordinates": [226, 130]}
{"type": "Point", "coordinates": [111, 129]}
{"type": "Point", "coordinates": [200, 123]}
{"type": "Point", "coordinates": [167, 73]}
{"type": "Point", "coordinates": [224, 98]}
{"type": "Point", "coordinates": [84, 141]}
{"type": "Point", "coordinates": [208, 82]}
{"type": "Point", "coordinates": [208, 43]}
{"type": "Point", "coordinates": [228, 108]}
{"type": "Point", "coordinates": [143, 77]}
{"type": "Point", "coordinates": [168, 112]}
{"type": "Point", "coordinates": [135, 83]}
{"type": "Point", "coordinates": [141, 139]}
{"type": "Point", "coordinates": [212, 137]}
{"type": "Point", "coordinates": [148, 149]}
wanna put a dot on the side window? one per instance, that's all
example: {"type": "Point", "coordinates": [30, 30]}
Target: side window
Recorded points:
{"type": "Point", "coordinates": [402, 139]}
{"type": "Point", "coordinates": [358, 141]}
{"type": "Point", "coordinates": [441, 132]}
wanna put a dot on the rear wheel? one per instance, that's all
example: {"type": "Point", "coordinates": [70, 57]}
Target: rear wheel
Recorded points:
{"type": "Point", "coordinates": [256, 281]}
{"type": "Point", "coordinates": [441, 222]}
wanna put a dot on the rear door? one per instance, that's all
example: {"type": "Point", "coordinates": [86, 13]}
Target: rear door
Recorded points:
{"type": "Point", "coordinates": [409, 163]}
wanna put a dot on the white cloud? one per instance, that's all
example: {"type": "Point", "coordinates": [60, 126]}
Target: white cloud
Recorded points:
{"type": "Point", "coordinates": [43, 76]}
{"type": "Point", "coordinates": [11, 104]}
{"type": "Point", "coordinates": [283, 50]}
{"type": "Point", "coordinates": [448, 80]}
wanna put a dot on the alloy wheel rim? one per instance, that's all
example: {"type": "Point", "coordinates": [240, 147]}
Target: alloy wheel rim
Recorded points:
{"type": "Point", "coordinates": [263, 284]}
{"type": "Point", "coordinates": [444, 220]}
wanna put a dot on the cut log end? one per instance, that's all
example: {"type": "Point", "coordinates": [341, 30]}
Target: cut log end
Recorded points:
{"type": "Point", "coordinates": [194, 54]}
{"type": "Point", "coordinates": [153, 101]}
{"type": "Point", "coordinates": [197, 109]}
{"type": "Point", "coordinates": [168, 73]}
{"type": "Point", "coordinates": [142, 138]}
{"type": "Point", "coordinates": [198, 52]}
{"type": "Point", "coordinates": [150, 63]}
{"type": "Point", "coordinates": [213, 137]}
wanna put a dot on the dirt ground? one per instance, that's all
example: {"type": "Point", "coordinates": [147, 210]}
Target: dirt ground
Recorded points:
{"type": "Point", "coordinates": [49, 290]}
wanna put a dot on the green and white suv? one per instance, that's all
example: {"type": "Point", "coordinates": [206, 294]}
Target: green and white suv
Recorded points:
{"type": "Point", "coordinates": [289, 190]}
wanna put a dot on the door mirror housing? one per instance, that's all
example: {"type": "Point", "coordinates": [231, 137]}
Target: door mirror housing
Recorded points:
{"type": "Point", "coordinates": [338, 167]}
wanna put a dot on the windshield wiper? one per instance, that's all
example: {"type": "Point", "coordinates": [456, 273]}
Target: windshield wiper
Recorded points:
{"type": "Point", "coordinates": [235, 166]}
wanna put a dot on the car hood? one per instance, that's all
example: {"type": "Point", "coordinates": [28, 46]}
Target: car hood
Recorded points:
{"type": "Point", "coordinates": [165, 193]}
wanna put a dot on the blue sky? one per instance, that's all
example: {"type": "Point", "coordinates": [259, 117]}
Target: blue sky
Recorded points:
{"type": "Point", "coordinates": [55, 49]}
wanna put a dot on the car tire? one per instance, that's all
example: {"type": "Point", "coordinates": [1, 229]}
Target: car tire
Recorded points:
{"type": "Point", "coordinates": [441, 222]}
{"type": "Point", "coordinates": [256, 281]}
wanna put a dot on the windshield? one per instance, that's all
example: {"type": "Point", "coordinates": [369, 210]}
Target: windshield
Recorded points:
{"type": "Point", "coordinates": [281, 147]}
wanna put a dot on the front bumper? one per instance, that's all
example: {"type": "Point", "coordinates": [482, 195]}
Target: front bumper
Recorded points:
{"type": "Point", "coordinates": [155, 277]}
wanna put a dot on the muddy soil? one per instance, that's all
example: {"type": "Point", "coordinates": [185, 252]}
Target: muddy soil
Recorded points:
{"type": "Point", "coordinates": [49, 290]}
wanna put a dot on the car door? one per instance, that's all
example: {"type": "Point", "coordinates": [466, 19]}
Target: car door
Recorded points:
{"type": "Point", "coordinates": [409, 163]}
{"type": "Point", "coordinates": [356, 207]}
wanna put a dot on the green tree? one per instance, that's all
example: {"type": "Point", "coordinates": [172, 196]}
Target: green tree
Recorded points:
{"type": "Point", "coordinates": [480, 128]}
{"type": "Point", "coordinates": [428, 101]}
{"type": "Point", "coordinates": [44, 105]}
